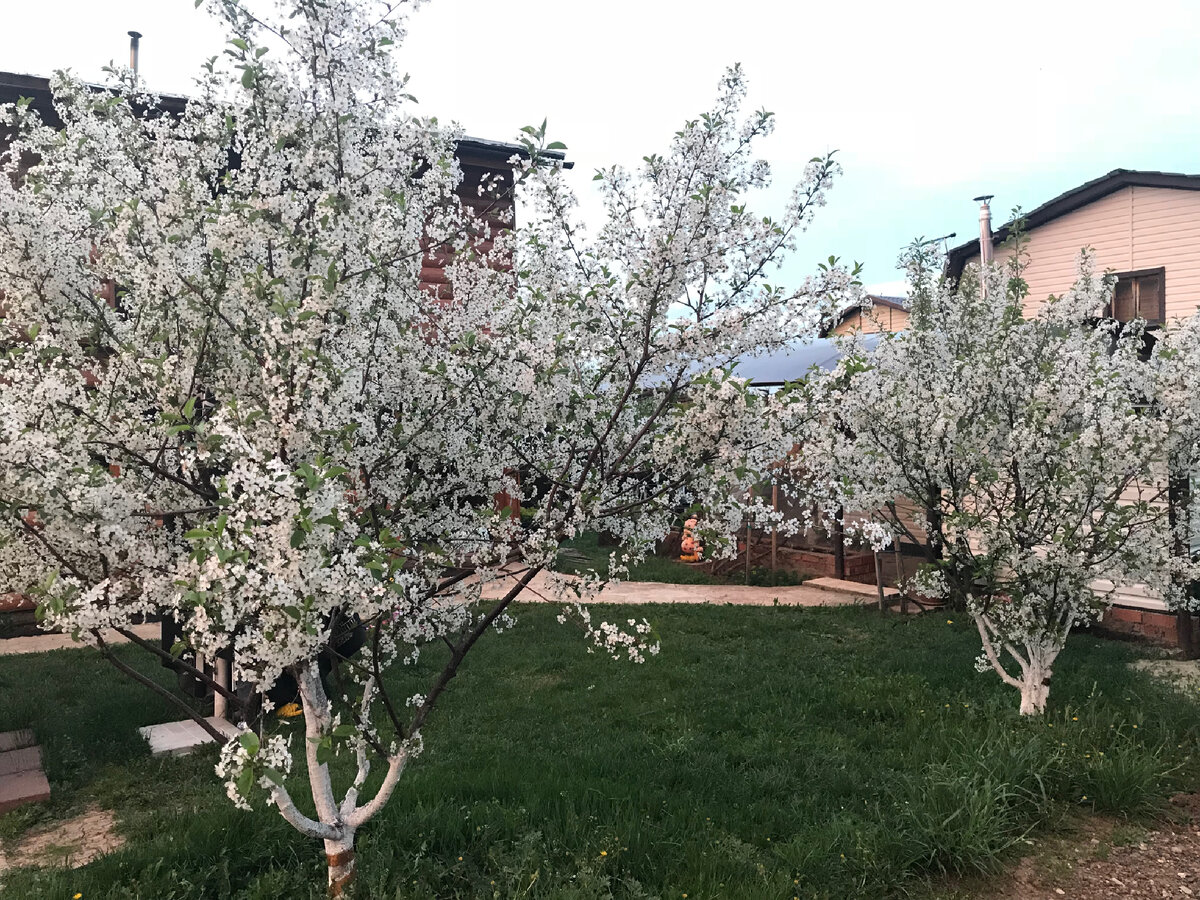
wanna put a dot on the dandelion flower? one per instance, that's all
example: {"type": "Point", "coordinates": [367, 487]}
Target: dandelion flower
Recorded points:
{"type": "Point", "coordinates": [289, 711]}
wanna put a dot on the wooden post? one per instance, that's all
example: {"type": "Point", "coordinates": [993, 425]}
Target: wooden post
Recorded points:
{"type": "Point", "coordinates": [900, 574]}
{"type": "Point", "coordinates": [748, 526]}
{"type": "Point", "coordinates": [220, 701]}
{"type": "Point", "coordinates": [839, 545]}
{"type": "Point", "coordinates": [775, 528]}
{"type": "Point", "coordinates": [879, 579]}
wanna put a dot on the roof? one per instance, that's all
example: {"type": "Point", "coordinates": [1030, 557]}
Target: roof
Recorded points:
{"type": "Point", "coordinates": [1072, 200]}
{"type": "Point", "coordinates": [472, 151]}
{"type": "Point", "coordinates": [796, 360]}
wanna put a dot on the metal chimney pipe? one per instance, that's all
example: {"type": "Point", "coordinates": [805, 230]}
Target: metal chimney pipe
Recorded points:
{"type": "Point", "coordinates": [985, 230]}
{"type": "Point", "coordinates": [133, 50]}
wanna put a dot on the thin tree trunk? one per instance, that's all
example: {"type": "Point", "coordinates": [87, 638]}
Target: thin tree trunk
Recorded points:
{"type": "Point", "coordinates": [1178, 500]}
{"type": "Point", "coordinates": [339, 849]}
{"type": "Point", "coordinates": [839, 545]}
{"type": "Point", "coordinates": [343, 865]}
{"type": "Point", "coordinates": [1185, 634]}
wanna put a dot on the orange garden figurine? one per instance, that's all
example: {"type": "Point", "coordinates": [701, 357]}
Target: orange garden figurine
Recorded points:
{"type": "Point", "coordinates": [689, 547]}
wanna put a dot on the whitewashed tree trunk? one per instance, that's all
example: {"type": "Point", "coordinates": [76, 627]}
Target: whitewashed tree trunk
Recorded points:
{"type": "Point", "coordinates": [343, 865]}
{"type": "Point", "coordinates": [337, 825]}
{"type": "Point", "coordinates": [1036, 664]}
{"type": "Point", "coordinates": [1034, 691]}
{"type": "Point", "coordinates": [1035, 680]}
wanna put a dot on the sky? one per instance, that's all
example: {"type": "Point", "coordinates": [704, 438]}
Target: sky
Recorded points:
{"type": "Point", "coordinates": [928, 104]}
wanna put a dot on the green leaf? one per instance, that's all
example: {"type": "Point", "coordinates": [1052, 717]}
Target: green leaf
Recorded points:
{"type": "Point", "coordinates": [195, 534]}
{"type": "Point", "coordinates": [556, 145]}
{"type": "Point", "coordinates": [189, 407]}
{"type": "Point", "coordinates": [245, 781]}
{"type": "Point", "coordinates": [324, 751]}
{"type": "Point", "coordinates": [248, 77]}
{"type": "Point", "coordinates": [249, 742]}
{"type": "Point", "coordinates": [273, 775]}
{"type": "Point", "coordinates": [240, 44]}
{"type": "Point", "coordinates": [344, 730]}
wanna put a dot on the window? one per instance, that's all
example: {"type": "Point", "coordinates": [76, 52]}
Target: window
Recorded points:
{"type": "Point", "coordinates": [1140, 294]}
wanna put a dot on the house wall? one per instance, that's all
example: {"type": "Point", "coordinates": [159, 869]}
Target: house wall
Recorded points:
{"type": "Point", "coordinates": [1134, 228]}
{"type": "Point", "coordinates": [880, 318]}
{"type": "Point", "coordinates": [1131, 229]}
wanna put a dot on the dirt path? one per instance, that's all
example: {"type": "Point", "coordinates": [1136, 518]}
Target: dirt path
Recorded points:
{"type": "Point", "coordinates": [1114, 860]}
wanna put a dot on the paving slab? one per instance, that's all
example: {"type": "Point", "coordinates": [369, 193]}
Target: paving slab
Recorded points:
{"type": "Point", "coordinates": [23, 787]}
{"type": "Point", "coordinates": [181, 738]}
{"type": "Point", "coordinates": [841, 585]}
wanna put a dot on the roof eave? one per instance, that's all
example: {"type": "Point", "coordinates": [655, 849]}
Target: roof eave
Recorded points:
{"type": "Point", "coordinates": [1069, 201]}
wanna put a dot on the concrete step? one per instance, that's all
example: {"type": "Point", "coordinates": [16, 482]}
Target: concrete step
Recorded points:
{"type": "Point", "coordinates": [857, 588]}
{"type": "Point", "coordinates": [23, 787]}
{"type": "Point", "coordinates": [21, 777]}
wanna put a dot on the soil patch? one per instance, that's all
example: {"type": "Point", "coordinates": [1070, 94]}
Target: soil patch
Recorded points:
{"type": "Point", "coordinates": [1116, 860]}
{"type": "Point", "coordinates": [72, 843]}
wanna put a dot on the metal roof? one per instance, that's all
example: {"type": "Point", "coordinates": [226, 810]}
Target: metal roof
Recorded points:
{"type": "Point", "coordinates": [796, 360]}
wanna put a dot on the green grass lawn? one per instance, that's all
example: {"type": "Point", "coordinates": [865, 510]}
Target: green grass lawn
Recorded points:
{"type": "Point", "coordinates": [766, 753]}
{"type": "Point", "coordinates": [584, 554]}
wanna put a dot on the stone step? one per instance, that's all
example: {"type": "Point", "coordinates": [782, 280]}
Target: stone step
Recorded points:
{"type": "Point", "coordinates": [23, 787]}
{"type": "Point", "coordinates": [857, 588]}
{"type": "Point", "coordinates": [181, 738]}
{"type": "Point", "coordinates": [15, 740]}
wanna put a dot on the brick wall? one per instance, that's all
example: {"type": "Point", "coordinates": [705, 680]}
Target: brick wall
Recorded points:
{"type": "Point", "coordinates": [1152, 625]}
{"type": "Point", "coordinates": [815, 562]}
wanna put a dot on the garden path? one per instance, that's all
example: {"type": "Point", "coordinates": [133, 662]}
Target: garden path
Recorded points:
{"type": "Point", "coordinates": [829, 593]}
{"type": "Point", "coordinates": [820, 592]}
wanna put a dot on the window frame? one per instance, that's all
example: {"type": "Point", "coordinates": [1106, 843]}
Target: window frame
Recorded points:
{"type": "Point", "coordinates": [1161, 273]}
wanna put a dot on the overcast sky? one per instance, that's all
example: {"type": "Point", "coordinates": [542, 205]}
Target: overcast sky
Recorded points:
{"type": "Point", "coordinates": [928, 103]}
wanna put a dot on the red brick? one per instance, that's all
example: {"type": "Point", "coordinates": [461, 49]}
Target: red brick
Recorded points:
{"type": "Point", "coordinates": [1159, 620]}
{"type": "Point", "coordinates": [1123, 614]}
